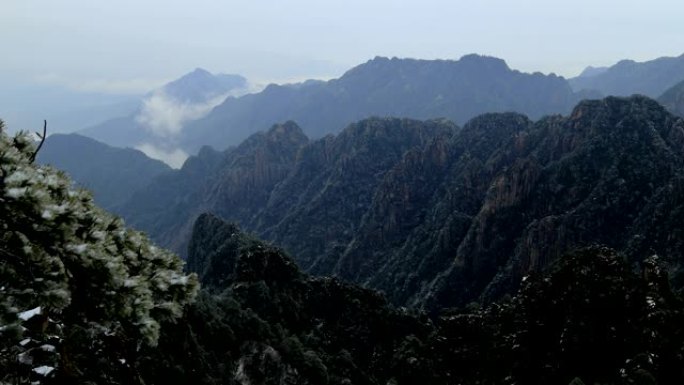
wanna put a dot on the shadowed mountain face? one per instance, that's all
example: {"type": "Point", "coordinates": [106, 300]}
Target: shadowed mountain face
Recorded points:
{"type": "Point", "coordinates": [673, 99]}
{"type": "Point", "coordinates": [266, 181]}
{"type": "Point", "coordinates": [259, 319]}
{"type": "Point", "coordinates": [627, 77]}
{"type": "Point", "coordinates": [112, 174]}
{"type": "Point", "coordinates": [436, 215]}
{"type": "Point", "coordinates": [200, 85]}
{"type": "Point", "coordinates": [591, 315]}
{"type": "Point", "coordinates": [238, 181]}
{"type": "Point", "coordinates": [419, 89]}
{"type": "Point", "coordinates": [601, 175]}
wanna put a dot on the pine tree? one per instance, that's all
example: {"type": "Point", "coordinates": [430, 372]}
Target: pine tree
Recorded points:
{"type": "Point", "coordinates": [76, 286]}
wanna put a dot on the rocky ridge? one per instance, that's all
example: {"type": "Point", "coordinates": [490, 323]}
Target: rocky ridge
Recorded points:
{"type": "Point", "coordinates": [435, 215]}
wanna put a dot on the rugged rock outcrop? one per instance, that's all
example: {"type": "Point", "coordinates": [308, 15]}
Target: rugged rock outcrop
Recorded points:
{"type": "Point", "coordinates": [235, 183]}
{"type": "Point", "coordinates": [438, 216]}
{"type": "Point", "coordinates": [316, 211]}
{"type": "Point", "coordinates": [585, 179]}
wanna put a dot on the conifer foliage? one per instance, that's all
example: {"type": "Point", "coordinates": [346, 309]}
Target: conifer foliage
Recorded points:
{"type": "Point", "coordinates": [80, 294]}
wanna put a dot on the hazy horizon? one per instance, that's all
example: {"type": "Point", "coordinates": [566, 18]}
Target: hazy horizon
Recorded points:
{"type": "Point", "coordinates": [129, 47]}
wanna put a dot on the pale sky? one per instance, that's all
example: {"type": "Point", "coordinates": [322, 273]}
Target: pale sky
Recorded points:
{"type": "Point", "coordinates": [134, 45]}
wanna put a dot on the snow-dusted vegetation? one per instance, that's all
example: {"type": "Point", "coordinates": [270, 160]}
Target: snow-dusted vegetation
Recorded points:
{"type": "Point", "coordinates": [74, 281]}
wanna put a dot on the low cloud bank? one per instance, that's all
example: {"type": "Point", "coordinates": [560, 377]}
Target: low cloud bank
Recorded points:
{"type": "Point", "coordinates": [174, 157]}
{"type": "Point", "coordinates": [165, 116]}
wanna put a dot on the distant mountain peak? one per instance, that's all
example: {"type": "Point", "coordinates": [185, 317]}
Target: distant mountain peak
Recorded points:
{"type": "Point", "coordinates": [592, 71]}
{"type": "Point", "coordinates": [413, 88]}
{"type": "Point", "coordinates": [489, 62]}
{"type": "Point", "coordinates": [198, 74]}
{"type": "Point", "coordinates": [627, 77]}
{"type": "Point", "coordinates": [199, 71]}
{"type": "Point", "coordinates": [200, 85]}
{"type": "Point", "coordinates": [476, 57]}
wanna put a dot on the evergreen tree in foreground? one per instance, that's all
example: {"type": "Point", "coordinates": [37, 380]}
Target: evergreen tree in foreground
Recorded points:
{"type": "Point", "coordinates": [80, 294]}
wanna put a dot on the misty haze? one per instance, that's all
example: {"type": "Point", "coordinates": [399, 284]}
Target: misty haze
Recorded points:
{"type": "Point", "coordinates": [311, 192]}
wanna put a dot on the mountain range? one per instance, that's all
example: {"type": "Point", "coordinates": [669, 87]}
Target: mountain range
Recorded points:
{"type": "Point", "coordinates": [420, 89]}
{"type": "Point", "coordinates": [538, 248]}
{"type": "Point", "coordinates": [627, 77]}
{"type": "Point", "coordinates": [180, 118]}
{"type": "Point", "coordinates": [389, 196]}
{"type": "Point", "coordinates": [434, 214]}
{"type": "Point", "coordinates": [87, 300]}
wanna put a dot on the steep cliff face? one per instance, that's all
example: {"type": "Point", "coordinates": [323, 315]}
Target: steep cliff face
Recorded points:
{"type": "Point", "coordinates": [587, 180]}
{"type": "Point", "coordinates": [308, 197]}
{"type": "Point", "coordinates": [316, 211]}
{"type": "Point", "coordinates": [247, 176]}
{"type": "Point", "coordinates": [235, 184]}
{"type": "Point", "coordinates": [438, 216]}
{"type": "Point", "coordinates": [424, 206]}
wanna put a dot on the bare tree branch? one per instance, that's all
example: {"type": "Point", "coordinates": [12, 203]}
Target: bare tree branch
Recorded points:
{"type": "Point", "coordinates": [42, 140]}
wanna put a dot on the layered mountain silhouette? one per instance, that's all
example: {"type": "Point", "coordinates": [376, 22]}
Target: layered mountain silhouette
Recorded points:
{"type": "Point", "coordinates": [627, 77]}
{"type": "Point", "coordinates": [437, 215]}
{"type": "Point", "coordinates": [514, 248]}
{"type": "Point", "coordinates": [420, 89]}
{"type": "Point", "coordinates": [112, 174]}
{"type": "Point", "coordinates": [590, 315]}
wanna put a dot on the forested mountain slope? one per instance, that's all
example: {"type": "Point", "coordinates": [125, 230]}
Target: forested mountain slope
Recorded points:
{"type": "Point", "coordinates": [588, 319]}
{"type": "Point", "coordinates": [85, 300]}
{"type": "Point", "coordinates": [435, 215]}
{"type": "Point", "coordinates": [112, 174]}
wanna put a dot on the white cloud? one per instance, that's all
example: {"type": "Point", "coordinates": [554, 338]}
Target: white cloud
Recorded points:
{"type": "Point", "coordinates": [173, 157]}
{"type": "Point", "coordinates": [165, 116]}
